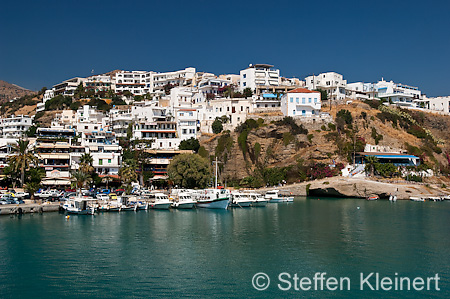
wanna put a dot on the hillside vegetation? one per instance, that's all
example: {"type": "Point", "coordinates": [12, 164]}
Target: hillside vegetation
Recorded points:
{"type": "Point", "coordinates": [265, 152]}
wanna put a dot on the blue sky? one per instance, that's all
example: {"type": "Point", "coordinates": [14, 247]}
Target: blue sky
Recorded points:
{"type": "Point", "coordinates": [45, 42]}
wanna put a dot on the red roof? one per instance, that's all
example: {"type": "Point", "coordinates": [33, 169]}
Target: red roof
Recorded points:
{"type": "Point", "coordinates": [303, 90]}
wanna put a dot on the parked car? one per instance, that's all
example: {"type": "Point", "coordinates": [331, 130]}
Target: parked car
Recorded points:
{"type": "Point", "coordinates": [22, 194]}
{"type": "Point", "coordinates": [102, 196]}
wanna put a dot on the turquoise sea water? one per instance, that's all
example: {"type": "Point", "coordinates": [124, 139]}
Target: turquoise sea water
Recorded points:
{"type": "Point", "coordinates": [211, 253]}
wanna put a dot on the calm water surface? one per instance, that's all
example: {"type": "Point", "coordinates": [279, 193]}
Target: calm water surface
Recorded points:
{"type": "Point", "coordinates": [210, 253]}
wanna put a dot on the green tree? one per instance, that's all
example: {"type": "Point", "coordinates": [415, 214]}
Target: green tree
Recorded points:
{"type": "Point", "coordinates": [247, 92]}
{"type": "Point", "coordinates": [86, 161]}
{"type": "Point", "coordinates": [189, 171]}
{"type": "Point", "coordinates": [22, 158]}
{"type": "Point", "coordinates": [128, 173]}
{"type": "Point", "coordinates": [190, 144]}
{"type": "Point", "coordinates": [323, 94]}
{"type": "Point", "coordinates": [371, 161]}
{"type": "Point", "coordinates": [81, 179]}
{"type": "Point", "coordinates": [217, 126]}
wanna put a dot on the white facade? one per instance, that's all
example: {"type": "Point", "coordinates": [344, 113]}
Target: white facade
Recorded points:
{"type": "Point", "coordinates": [99, 83]}
{"type": "Point", "coordinates": [15, 126]}
{"type": "Point", "coordinates": [259, 75]}
{"type": "Point", "coordinates": [48, 94]}
{"type": "Point", "coordinates": [177, 78]}
{"type": "Point", "coordinates": [136, 82]}
{"type": "Point", "coordinates": [68, 87]}
{"type": "Point", "coordinates": [438, 104]}
{"type": "Point", "coordinates": [301, 102]}
{"type": "Point", "coordinates": [105, 151]}
{"type": "Point", "coordinates": [333, 83]}
{"type": "Point", "coordinates": [187, 122]}
{"type": "Point", "coordinates": [361, 90]}
{"type": "Point", "coordinates": [399, 94]}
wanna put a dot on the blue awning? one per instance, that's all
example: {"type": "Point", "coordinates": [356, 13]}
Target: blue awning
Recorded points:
{"type": "Point", "coordinates": [395, 156]}
{"type": "Point", "coordinates": [269, 95]}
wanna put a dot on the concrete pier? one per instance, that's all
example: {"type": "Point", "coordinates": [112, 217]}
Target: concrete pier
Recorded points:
{"type": "Point", "coordinates": [29, 208]}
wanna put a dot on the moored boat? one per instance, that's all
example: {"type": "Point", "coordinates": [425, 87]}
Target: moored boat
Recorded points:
{"type": "Point", "coordinates": [274, 197]}
{"type": "Point", "coordinates": [159, 201]}
{"type": "Point", "coordinates": [80, 206]}
{"type": "Point", "coordinates": [184, 200]}
{"type": "Point", "coordinates": [257, 199]}
{"type": "Point", "coordinates": [415, 198]}
{"type": "Point", "coordinates": [239, 199]}
{"type": "Point", "coordinates": [373, 197]}
{"type": "Point", "coordinates": [214, 199]}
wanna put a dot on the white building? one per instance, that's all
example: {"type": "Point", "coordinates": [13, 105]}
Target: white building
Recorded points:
{"type": "Point", "coordinates": [15, 126]}
{"type": "Point", "coordinates": [90, 119]}
{"type": "Point", "coordinates": [258, 76]}
{"type": "Point", "coordinates": [438, 104]}
{"type": "Point", "coordinates": [361, 90]}
{"type": "Point", "coordinates": [210, 84]}
{"type": "Point", "coordinates": [176, 78]}
{"type": "Point", "coordinates": [301, 102]}
{"type": "Point", "coordinates": [399, 94]}
{"type": "Point", "coordinates": [105, 151]}
{"type": "Point", "coordinates": [333, 83]}
{"type": "Point", "coordinates": [99, 83]}
{"type": "Point", "coordinates": [187, 122]}
{"type": "Point", "coordinates": [48, 94]}
{"type": "Point", "coordinates": [68, 87]}
{"type": "Point", "coordinates": [136, 82]}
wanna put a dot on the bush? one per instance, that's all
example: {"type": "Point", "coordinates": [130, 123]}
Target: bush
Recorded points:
{"type": "Point", "coordinates": [377, 137]}
{"type": "Point", "coordinates": [323, 128]}
{"type": "Point", "coordinates": [345, 115]}
{"type": "Point", "coordinates": [287, 138]}
{"type": "Point", "coordinates": [290, 122]}
{"type": "Point", "coordinates": [332, 126]}
{"type": "Point", "coordinates": [190, 144]}
{"type": "Point", "coordinates": [310, 137]}
{"type": "Point", "coordinates": [59, 102]}
{"type": "Point", "coordinates": [217, 126]}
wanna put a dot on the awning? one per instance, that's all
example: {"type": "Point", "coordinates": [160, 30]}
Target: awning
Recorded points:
{"type": "Point", "coordinates": [56, 182]}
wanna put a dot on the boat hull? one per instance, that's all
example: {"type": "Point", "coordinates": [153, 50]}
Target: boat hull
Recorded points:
{"type": "Point", "coordinates": [260, 203]}
{"type": "Point", "coordinates": [220, 203]}
{"type": "Point", "coordinates": [282, 199]}
{"type": "Point", "coordinates": [241, 204]}
{"type": "Point", "coordinates": [184, 205]}
{"type": "Point", "coordinates": [159, 206]}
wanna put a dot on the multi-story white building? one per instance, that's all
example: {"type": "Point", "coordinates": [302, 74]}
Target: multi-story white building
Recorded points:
{"type": "Point", "coordinates": [136, 82]}
{"type": "Point", "coordinates": [99, 83]}
{"type": "Point", "coordinates": [15, 126]}
{"type": "Point", "coordinates": [361, 90]}
{"type": "Point", "coordinates": [177, 78]}
{"type": "Point", "coordinates": [301, 102]}
{"type": "Point", "coordinates": [187, 122]}
{"type": "Point", "coordinates": [210, 84]}
{"type": "Point", "coordinates": [163, 133]}
{"type": "Point", "coordinates": [258, 76]}
{"type": "Point", "coordinates": [90, 119]}
{"type": "Point", "coordinates": [48, 94]}
{"type": "Point", "coordinates": [399, 94]}
{"type": "Point", "coordinates": [333, 83]}
{"type": "Point", "coordinates": [438, 104]}
{"type": "Point", "coordinates": [119, 119]}
{"type": "Point", "coordinates": [105, 151]}
{"type": "Point", "coordinates": [68, 87]}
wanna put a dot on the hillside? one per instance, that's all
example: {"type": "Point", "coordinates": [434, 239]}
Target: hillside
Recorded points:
{"type": "Point", "coordinates": [10, 91]}
{"type": "Point", "coordinates": [272, 148]}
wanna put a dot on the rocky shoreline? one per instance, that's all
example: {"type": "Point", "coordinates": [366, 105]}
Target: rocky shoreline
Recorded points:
{"type": "Point", "coordinates": [358, 188]}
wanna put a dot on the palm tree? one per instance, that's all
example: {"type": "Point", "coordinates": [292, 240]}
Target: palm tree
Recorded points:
{"type": "Point", "coordinates": [371, 161]}
{"type": "Point", "coordinates": [80, 178]}
{"type": "Point", "coordinates": [107, 179]}
{"type": "Point", "coordinates": [127, 172]}
{"type": "Point", "coordinates": [86, 161]}
{"type": "Point", "coordinates": [22, 158]}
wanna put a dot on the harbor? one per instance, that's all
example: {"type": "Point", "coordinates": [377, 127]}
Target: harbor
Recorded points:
{"type": "Point", "coordinates": [166, 253]}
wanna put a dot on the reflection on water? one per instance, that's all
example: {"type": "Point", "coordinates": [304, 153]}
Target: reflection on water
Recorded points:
{"type": "Point", "coordinates": [216, 252]}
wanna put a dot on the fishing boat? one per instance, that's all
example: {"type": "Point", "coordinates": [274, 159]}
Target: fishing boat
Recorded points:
{"type": "Point", "coordinates": [414, 198]}
{"type": "Point", "coordinates": [159, 201]}
{"type": "Point", "coordinates": [257, 199]}
{"type": "Point", "coordinates": [241, 200]}
{"type": "Point", "coordinates": [214, 199]}
{"type": "Point", "coordinates": [274, 197]}
{"type": "Point", "coordinates": [373, 197]}
{"type": "Point", "coordinates": [184, 200]}
{"type": "Point", "coordinates": [80, 206]}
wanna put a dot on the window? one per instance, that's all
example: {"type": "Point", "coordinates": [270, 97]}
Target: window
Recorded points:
{"type": "Point", "coordinates": [303, 101]}
{"type": "Point", "coordinates": [291, 100]}
{"type": "Point", "coordinates": [244, 76]}
{"type": "Point", "coordinates": [297, 100]}
{"type": "Point", "coordinates": [313, 112]}
{"type": "Point", "coordinates": [293, 112]}
{"type": "Point", "coordinates": [309, 100]}
{"type": "Point", "coordinates": [303, 112]}
{"type": "Point", "coordinates": [109, 161]}
{"type": "Point", "coordinates": [100, 161]}
{"type": "Point", "coordinates": [244, 84]}
{"type": "Point", "coordinates": [85, 127]}
{"type": "Point", "coordinates": [315, 100]}
{"type": "Point", "coordinates": [184, 131]}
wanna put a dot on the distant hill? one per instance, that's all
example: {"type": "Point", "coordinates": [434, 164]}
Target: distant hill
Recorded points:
{"type": "Point", "coordinates": [10, 91]}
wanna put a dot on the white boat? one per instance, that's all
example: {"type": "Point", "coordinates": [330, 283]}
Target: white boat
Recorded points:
{"type": "Point", "coordinates": [184, 200]}
{"type": "Point", "coordinates": [214, 199]}
{"type": "Point", "coordinates": [274, 197]}
{"type": "Point", "coordinates": [393, 198]}
{"type": "Point", "coordinates": [159, 201]}
{"type": "Point", "coordinates": [257, 199]}
{"type": "Point", "coordinates": [80, 206]}
{"type": "Point", "coordinates": [434, 198]}
{"type": "Point", "coordinates": [140, 205]}
{"type": "Point", "coordinates": [241, 200]}
{"type": "Point", "coordinates": [414, 198]}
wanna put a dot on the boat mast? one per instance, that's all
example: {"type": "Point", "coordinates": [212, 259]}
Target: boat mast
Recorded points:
{"type": "Point", "coordinates": [216, 174]}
